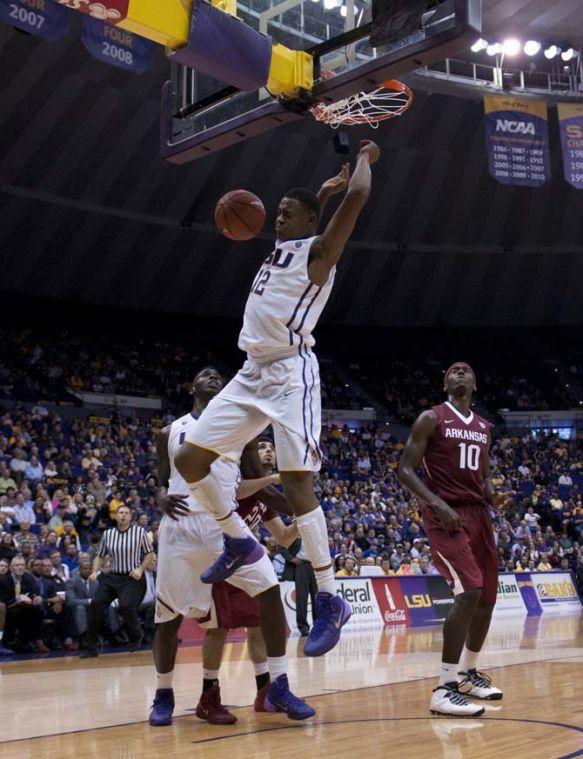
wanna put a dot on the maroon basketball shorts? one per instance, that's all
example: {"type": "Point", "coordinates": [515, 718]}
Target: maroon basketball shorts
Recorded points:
{"type": "Point", "coordinates": [233, 607]}
{"type": "Point", "coordinates": [468, 558]}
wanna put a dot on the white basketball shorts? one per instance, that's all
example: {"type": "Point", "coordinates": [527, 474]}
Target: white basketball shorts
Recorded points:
{"type": "Point", "coordinates": [186, 547]}
{"type": "Point", "coordinates": [284, 393]}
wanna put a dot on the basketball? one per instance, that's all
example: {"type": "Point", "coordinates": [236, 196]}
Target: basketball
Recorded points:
{"type": "Point", "coordinates": [240, 215]}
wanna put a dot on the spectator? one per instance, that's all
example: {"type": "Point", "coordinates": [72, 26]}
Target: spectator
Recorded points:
{"type": "Point", "coordinates": [544, 565]}
{"type": "Point", "coordinates": [81, 590]}
{"type": "Point", "coordinates": [8, 548]}
{"type": "Point", "coordinates": [34, 471]}
{"type": "Point", "coordinates": [24, 611]}
{"type": "Point", "coordinates": [350, 569]}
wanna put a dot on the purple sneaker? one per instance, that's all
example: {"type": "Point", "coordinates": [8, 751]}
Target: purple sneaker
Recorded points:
{"type": "Point", "coordinates": [279, 698]}
{"type": "Point", "coordinates": [162, 708]}
{"type": "Point", "coordinates": [332, 613]}
{"type": "Point", "coordinates": [236, 552]}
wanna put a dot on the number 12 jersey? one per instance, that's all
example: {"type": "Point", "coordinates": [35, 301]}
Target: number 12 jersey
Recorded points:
{"type": "Point", "coordinates": [283, 306]}
{"type": "Point", "coordinates": [454, 458]}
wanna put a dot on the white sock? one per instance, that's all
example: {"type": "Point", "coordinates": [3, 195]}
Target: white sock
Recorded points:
{"type": "Point", "coordinates": [277, 666]}
{"type": "Point", "coordinates": [260, 667]}
{"type": "Point", "coordinates": [469, 660]}
{"type": "Point", "coordinates": [210, 674]}
{"type": "Point", "coordinates": [209, 494]}
{"type": "Point", "coordinates": [314, 533]}
{"type": "Point", "coordinates": [448, 673]}
{"type": "Point", "coordinates": [164, 679]}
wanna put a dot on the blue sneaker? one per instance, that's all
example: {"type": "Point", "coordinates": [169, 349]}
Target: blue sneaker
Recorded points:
{"type": "Point", "coordinates": [332, 613]}
{"type": "Point", "coordinates": [5, 651]}
{"type": "Point", "coordinates": [236, 552]}
{"type": "Point", "coordinates": [279, 698]}
{"type": "Point", "coordinates": [162, 708]}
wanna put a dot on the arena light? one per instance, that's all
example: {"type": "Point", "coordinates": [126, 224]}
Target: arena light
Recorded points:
{"type": "Point", "coordinates": [494, 49]}
{"type": "Point", "coordinates": [532, 47]}
{"type": "Point", "coordinates": [329, 4]}
{"type": "Point", "coordinates": [511, 47]}
{"type": "Point", "coordinates": [551, 52]}
{"type": "Point", "coordinates": [568, 54]}
{"type": "Point", "coordinates": [479, 45]}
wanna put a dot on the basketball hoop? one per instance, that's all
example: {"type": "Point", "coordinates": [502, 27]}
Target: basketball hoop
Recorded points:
{"type": "Point", "coordinates": [389, 100]}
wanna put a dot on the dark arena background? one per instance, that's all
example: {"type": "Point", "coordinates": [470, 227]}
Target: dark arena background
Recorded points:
{"type": "Point", "coordinates": [117, 139]}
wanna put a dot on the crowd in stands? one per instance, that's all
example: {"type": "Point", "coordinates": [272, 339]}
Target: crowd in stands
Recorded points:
{"type": "Point", "coordinates": [35, 365]}
{"type": "Point", "coordinates": [61, 482]}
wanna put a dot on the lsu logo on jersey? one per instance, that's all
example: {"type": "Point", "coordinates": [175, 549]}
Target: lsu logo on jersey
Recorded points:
{"type": "Point", "coordinates": [277, 259]}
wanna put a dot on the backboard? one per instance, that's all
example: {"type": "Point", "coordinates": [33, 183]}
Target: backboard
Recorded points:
{"type": "Point", "coordinates": [201, 115]}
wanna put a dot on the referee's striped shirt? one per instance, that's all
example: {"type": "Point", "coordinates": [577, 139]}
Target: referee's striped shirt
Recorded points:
{"type": "Point", "coordinates": [126, 548]}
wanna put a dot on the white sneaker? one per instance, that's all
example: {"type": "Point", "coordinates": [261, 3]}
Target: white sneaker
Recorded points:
{"type": "Point", "coordinates": [478, 685]}
{"type": "Point", "coordinates": [449, 702]}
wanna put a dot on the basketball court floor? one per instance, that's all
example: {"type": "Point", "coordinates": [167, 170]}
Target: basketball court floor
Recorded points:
{"type": "Point", "coordinates": [370, 693]}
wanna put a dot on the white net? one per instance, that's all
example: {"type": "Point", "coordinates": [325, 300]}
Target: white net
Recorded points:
{"type": "Point", "coordinates": [389, 100]}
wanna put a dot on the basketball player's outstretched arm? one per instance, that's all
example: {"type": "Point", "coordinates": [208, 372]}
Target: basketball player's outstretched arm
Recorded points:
{"type": "Point", "coordinates": [411, 458]}
{"type": "Point", "coordinates": [251, 468]}
{"type": "Point", "coordinates": [172, 504]}
{"type": "Point", "coordinates": [284, 534]}
{"type": "Point", "coordinates": [247, 488]}
{"type": "Point", "coordinates": [333, 186]}
{"type": "Point", "coordinates": [327, 247]}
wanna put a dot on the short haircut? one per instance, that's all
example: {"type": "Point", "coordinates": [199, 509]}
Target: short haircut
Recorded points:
{"type": "Point", "coordinates": [306, 197]}
{"type": "Point", "coordinates": [204, 368]}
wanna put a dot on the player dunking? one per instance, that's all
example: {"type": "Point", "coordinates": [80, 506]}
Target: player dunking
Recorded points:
{"type": "Point", "coordinates": [452, 443]}
{"type": "Point", "coordinates": [279, 384]}
{"type": "Point", "coordinates": [189, 539]}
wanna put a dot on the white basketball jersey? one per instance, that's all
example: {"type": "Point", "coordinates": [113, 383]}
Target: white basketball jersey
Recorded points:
{"type": "Point", "coordinates": [226, 472]}
{"type": "Point", "coordinates": [283, 306]}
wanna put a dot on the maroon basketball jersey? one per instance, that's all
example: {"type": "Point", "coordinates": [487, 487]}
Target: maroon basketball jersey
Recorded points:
{"type": "Point", "coordinates": [253, 512]}
{"type": "Point", "coordinates": [454, 458]}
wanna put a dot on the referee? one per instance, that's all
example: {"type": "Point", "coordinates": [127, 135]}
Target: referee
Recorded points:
{"type": "Point", "coordinates": [130, 550]}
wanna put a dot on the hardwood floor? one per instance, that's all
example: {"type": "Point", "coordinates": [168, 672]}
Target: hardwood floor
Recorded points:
{"type": "Point", "coordinates": [370, 693]}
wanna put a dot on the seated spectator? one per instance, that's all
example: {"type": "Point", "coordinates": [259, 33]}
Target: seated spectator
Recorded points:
{"type": "Point", "coordinates": [386, 566]}
{"type": "Point", "coordinates": [544, 565]}
{"type": "Point", "coordinates": [49, 545]}
{"type": "Point", "coordinates": [34, 471]}
{"type": "Point", "coordinates": [25, 536]}
{"type": "Point", "coordinates": [8, 548]}
{"type": "Point", "coordinates": [71, 558]}
{"type": "Point", "coordinates": [349, 570]}
{"type": "Point", "coordinates": [24, 612]}
{"type": "Point", "coordinates": [426, 567]}
{"type": "Point", "coordinates": [80, 590]}
{"type": "Point", "coordinates": [59, 568]}
{"type": "Point", "coordinates": [58, 615]}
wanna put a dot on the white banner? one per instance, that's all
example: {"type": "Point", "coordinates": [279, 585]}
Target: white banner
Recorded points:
{"type": "Point", "coordinates": [359, 594]}
{"type": "Point", "coordinates": [509, 597]}
{"type": "Point", "coordinates": [555, 591]}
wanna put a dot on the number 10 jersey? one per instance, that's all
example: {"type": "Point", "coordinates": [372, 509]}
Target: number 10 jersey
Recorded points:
{"type": "Point", "coordinates": [453, 464]}
{"type": "Point", "coordinates": [283, 306]}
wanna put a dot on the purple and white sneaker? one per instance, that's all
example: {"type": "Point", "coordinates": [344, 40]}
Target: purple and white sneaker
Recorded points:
{"type": "Point", "coordinates": [279, 698]}
{"type": "Point", "coordinates": [332, 613]}
{"type": "Point", "coordinates": [236, 553]}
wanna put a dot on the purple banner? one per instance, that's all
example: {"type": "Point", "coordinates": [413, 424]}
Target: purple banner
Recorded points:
{"type": "Point", "coordinates": [517, 139]}
{"type": "Point", "coordinates": [571, 126]}
{"type": "Point", "coordinates": [116, 47]}
{"type": "Point", "coordinates": [42, 18]}
{"type": "Point", "coordinates": [529, 594]}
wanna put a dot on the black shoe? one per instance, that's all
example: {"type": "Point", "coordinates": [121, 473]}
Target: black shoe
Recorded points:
{"type": "Point", "coordinates": [134, 645]}
{"type": "Point", "coordinates": [90, 653]}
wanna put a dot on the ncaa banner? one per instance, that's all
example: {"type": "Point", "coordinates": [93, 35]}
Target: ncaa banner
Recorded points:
{"type": "Point", "coordinates": [517, 138]}
{"type": "Point", "coordinates": [42, 18]}
{"type": "Point", "coordinates": [112, 11]}
{"type": "Point", "coordinates": [117, 47]}
{"type": "Point", "coordinates": [571, 127]}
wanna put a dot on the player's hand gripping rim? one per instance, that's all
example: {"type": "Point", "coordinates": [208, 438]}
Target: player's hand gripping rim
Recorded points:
{"type": "Point", "coordinates": [174, 506]}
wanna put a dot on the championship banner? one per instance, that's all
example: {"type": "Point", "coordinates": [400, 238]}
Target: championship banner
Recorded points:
{"type": "Point", "coordinates": [117, 47]}
{"type": "Point", "coordinates": [42, 18]}
{"type": "Point", "coordinates": [112, 11]}
{"type": "Point", "coordinates": [517, 138]}
{"type": "Point", "coordinates": [571, 126]}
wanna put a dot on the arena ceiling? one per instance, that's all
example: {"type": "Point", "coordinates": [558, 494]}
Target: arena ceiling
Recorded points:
{"type": "Point", "coordinates": [89, 212]}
